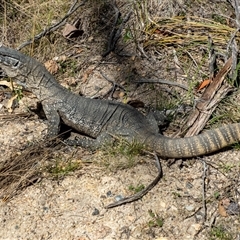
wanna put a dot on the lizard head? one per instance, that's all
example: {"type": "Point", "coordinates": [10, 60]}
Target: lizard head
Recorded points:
{"type": "Point", "coordinates": [13, 63]}
{"type": "Point", "coordinates": [27, 71]}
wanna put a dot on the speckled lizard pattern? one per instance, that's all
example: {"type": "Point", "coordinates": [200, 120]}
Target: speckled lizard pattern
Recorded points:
{"type": "Point", "coordinates": [101, 119]}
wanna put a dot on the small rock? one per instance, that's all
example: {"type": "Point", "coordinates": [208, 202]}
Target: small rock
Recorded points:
{"type": "Point", "coordinates": [162, 204]}
{"type": "Point", "coordinates": [233, 208]}
{"type": "Point", "coordinates": [190, 208]}
{"type": "Point", "coordinates": [90, 39]}
{"type": "Point", "coordinates": [118, 197]}
{"type": "Point", "coordinates": [194, 228]}
{"type": "Point", "coordinates": [189, 185]}
{"type": "Point", "coordinates": [109, 194]}
{"type": "Point", "coordinates": [95, 212]}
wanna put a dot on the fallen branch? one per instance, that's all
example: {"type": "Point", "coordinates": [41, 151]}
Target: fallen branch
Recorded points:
{"type": "Point", "coordinates": [170, 83]}
{"type": "Point", "coordinates": [212, 95]}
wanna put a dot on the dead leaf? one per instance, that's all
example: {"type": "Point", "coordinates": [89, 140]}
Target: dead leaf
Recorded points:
{"type": "Point", "coordinates": [86, 74]}
{"type": "Point", "coordinates": [10, 103]}
{"type": "Point", "coordinates": [51, 66]}
{"type": "Point", "coordinates": [203, 84]}
{"type": "Point", "coordinates": [222, 206]}
{"type": "Point", "coordinates": [70, 31]}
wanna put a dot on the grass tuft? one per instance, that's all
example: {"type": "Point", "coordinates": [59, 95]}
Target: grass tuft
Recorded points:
{"type": "Point", "coordinates": [121, 155]}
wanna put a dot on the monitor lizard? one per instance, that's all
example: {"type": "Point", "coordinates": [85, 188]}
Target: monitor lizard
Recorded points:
{"type": "Point", "coordinates": [101, 120]}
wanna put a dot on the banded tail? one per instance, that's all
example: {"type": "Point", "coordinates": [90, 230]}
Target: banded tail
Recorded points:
{"type": "Point", "coordinates": [202, 144]}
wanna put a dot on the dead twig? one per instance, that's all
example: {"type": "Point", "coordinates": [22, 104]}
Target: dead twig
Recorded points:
{"type": "Point", "coordinates": [54, 27]}
{"type": "Point", "coordinates": [236, 5]}
{"type": "Point", "coordinates": [111, 91]}
{"type": "Point", "coordinates": [143, 80]}
{"type": "Point", "coordinates": [113, 38]}
{"type": "Point", "coordinates": [16, 115]}
{"type": "Point", "coordinates": [212, 60]}
{"type": "Point", "coordinates": [205, 168]}
{"type": "Point", "coordinates": [232, 44]}
{"type": "Point", "coordinates": [140, 194]}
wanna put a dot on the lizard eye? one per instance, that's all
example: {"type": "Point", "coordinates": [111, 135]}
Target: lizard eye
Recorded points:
{"type": "Point", "coordinates": [12, 62]}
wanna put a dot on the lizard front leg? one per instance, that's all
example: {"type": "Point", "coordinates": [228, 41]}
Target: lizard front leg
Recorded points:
{"type": "Point", "coordinates": [53, 121]}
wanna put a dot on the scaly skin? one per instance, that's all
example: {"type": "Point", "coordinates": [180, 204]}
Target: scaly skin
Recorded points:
{"type": "Point", "coordinates": [101, 119]}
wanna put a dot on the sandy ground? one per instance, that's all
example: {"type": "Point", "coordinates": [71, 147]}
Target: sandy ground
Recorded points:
{"type": "Point", "coordinates": [73, 207]}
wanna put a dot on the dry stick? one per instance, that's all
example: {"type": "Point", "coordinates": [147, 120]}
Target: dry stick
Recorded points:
{"type": "Point", "coordinates": [140, 194]}
{"type": "Point", "coordinates": [212, 59]}
{"type": "Point", "coordinates": [213, 94]}
{"type": "Point", "coordinates": [204, 190]}
{"type": "Point", "coordinates": [234, 47]}
{"type": "Point", "coordinates": [16, 115]}
{"type": "Point", "coordinates": [18, 172]}
{"type": "Point", "coordinates": [54, 27]}
{"type": "Point", "coordinates": [232, 42]}
{"type": "Point", "coordinates": [111, 81]}
{"type": "Point", "coordinates": [236, 5]}
{"type": "Point", "coordinates": [112, 89]}
{"type": "Point", "coordinates": [142, 80]}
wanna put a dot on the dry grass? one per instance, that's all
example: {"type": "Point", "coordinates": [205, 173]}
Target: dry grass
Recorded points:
{"type": "Point", "coordinates": [22, 20]}
{"type": "Point", "coordinates": [20, 171]}
{"type": "Point", "coordinates": [41, 160]}
{"type": "Point", "coordinates": [187, 31]}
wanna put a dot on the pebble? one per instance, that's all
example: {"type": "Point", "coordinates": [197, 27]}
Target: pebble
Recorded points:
{"type": "Point", "coordinates": [95, 212]}
{"type": "Point", "coordinates": [109, 193]}
{"type": "Point", "coordinates": [190, 208]}
{"type": "Point", "coordinates": [118, 197]}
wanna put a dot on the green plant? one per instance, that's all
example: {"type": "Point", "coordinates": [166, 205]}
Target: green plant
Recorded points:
{"type": "Point", "coordinates": [136, 189]}
{"type": "Point", "coordinates": [176, 195]}
{"type": "Point", "coordinates": [69, 66]}
{"type": "Point", "coordinates": [156, 221]}
{"type": "Point", "coordinates": [226, 167]}
{"type": "Point", "coordinates": [236, 146]}
{"type": "Point", "coordinates": [218, 18]}
{"type": "Point", "coordinates": [19, 92]}
{"type": "Point", "coordinates": [128, 35]}
{"type": "Point", "coordinates": [216, 195]}
{"type": "Point", "coordinates": [121, 154]}
{"type": "Point", "coordinates": [61, 168]}
{"type": "Point", "coordinates": [220, 233]}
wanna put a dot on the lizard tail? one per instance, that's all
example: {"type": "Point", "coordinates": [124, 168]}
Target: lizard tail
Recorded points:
{"type": "Point", "coordinates": [202, 144]}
